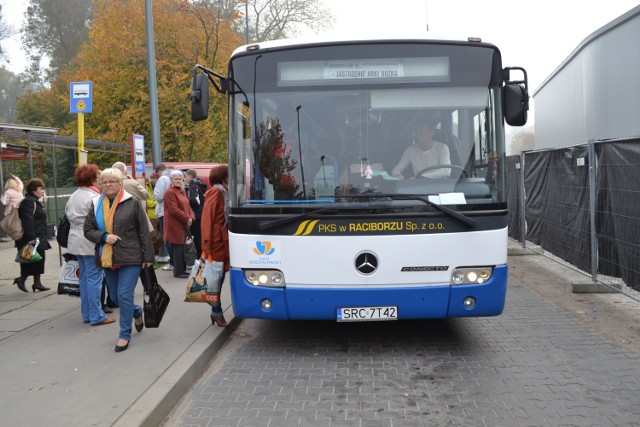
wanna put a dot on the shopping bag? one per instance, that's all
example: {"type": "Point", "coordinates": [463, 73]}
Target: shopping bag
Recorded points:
{"type": "Point", "coordinates": [156, 299]}
{"type": "Point", "coordinates": [213, 273]}
{"type": "Point", "coordinates": [197, 284]}
{"type": "Point", "coordinates": [28, 253]}
{"type": "Point", "coordinates": [69, 279]}
{"type": "Point", "coordinates": [190, 254]}
{"type": "Point", "coordinates": [12, 225]}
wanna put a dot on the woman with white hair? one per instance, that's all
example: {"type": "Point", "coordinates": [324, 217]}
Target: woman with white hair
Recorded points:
{"type": "Point", "coordinates": [118, 226]}
{"type": "Point", "coordinates": [178, 217]}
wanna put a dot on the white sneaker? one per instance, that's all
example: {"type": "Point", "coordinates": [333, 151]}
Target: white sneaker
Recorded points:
{"type": "Point", "coordinates": [167, 267]}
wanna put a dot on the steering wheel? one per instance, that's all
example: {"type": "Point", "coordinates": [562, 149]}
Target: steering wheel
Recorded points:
{"type": "Point", "coordinates": [434, 167]}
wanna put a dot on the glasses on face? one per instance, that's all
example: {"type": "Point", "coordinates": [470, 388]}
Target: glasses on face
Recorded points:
{"type": "Point", "coordinates": [110, 182]}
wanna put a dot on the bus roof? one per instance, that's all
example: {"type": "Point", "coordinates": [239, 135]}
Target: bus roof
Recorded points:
{"type": "Point", "coordinates": [320, 40]}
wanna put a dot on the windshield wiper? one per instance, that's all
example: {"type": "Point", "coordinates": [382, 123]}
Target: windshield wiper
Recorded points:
{"type": "Point", "coordinates": [457, 215]}
{"type": "Point", "coordinates": [278, 222]}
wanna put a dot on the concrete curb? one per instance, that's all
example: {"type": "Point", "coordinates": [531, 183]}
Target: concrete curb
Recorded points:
{"type": "Point", "coordinates": [153, 406]}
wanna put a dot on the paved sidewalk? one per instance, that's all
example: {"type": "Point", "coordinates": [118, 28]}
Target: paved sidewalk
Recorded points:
{"type": "Point", "coordinates": [58, 371]}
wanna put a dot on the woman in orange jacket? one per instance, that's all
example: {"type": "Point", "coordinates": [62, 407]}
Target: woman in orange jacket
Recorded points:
{"type": "Point", "coordinates": [215, 234]}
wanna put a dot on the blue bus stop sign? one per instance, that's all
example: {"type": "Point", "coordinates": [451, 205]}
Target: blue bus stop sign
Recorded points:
{"type": "Point", "coordinates": [81, 97]}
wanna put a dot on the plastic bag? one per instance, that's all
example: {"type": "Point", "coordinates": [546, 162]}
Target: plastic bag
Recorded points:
{"type": "Point", "coordinates": [69, 278]}
{"type": "Point", "coordinates": [28, 253]}
{"type": "Point", "coordinates": [197, 284]}
{"type": "Point", "coordinates": [213, 272]}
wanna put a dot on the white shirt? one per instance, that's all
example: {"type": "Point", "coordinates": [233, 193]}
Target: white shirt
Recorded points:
{"type": "Point", "coordinates": [419, 159]}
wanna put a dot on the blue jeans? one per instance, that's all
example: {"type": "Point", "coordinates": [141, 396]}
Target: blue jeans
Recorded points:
{"type": "Point", "coordinates": [90, 290]}
{"type": "Point", "coordinates": [122, 283]}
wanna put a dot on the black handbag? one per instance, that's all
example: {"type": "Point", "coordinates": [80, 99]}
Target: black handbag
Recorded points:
{"type": "Point", "coordinates": [190, 254]}
{"type": "Point", "coordinates": [62, 235]}
{"type": "Point", "coordinates": [156, 299]}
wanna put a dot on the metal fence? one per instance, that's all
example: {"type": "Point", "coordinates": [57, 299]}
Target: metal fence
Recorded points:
{"type": "Point", "coordinates": [31, 151]}
{"type": "Point", "coordinates": [580, 206]}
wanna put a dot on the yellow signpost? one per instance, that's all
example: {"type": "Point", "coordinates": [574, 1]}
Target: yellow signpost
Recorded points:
{"type": "Point", "coordinates": [81, 102]}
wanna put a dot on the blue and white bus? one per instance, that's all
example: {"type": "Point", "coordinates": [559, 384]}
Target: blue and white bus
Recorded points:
{"type": "Point", "coordinates": [322, 223]}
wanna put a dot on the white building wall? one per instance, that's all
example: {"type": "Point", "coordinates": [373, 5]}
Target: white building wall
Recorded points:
{"type": "Point", "coordinates": [595, 92]}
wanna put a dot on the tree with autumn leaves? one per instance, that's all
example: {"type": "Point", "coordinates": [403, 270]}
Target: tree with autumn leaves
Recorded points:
{"type": "Point", "coordinates": [115, 61]}
{"type": "Point", "coordinates": [185, 34]}
{"type": "Point", "coordinates": [114, 58]}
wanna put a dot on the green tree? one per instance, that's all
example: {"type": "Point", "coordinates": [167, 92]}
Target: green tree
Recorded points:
{"type": "Point", "coordinates": [54, 30]}
{"type": "Point", "coordinates": [10, 89]}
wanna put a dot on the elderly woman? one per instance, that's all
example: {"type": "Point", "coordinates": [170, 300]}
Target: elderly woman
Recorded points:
{"type": "Point", "coordinates": [78, 207]}
{"type": "Point", "coordinates": [118, 225]}
{"type": "Point", "coordinates": [12, 193]}
{"type": "Point", "coordinates": [34, 222]}
{"type": "Point", "coordinates": [215, 232]}
{"type": "Point", "coordinates": [178, 217]}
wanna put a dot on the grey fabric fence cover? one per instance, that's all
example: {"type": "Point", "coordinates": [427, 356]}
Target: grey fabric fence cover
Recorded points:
{"type": "Point", "coordinates": [557, 205]}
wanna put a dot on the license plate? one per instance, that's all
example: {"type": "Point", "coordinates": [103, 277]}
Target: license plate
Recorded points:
{"type": "Point", "coordinates": [364, 314]}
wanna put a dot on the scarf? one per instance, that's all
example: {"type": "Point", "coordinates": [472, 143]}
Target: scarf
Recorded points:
{"type": "Point", "coordinates": [105, 213]}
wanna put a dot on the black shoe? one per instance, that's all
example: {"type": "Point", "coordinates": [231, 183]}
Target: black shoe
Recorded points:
{"type": "Point", "coordinates": [39, 287]}
{"type": "Point", "coordinates": [19, 281]}
{"type": "Point", "coordinates": [182, 276]}
{"type": "Point", "coordinates": [140, 326]}
{"type": "Point", "coordinates": [107, 309]}
{"type": "Point", "coordinates": [120, 348]}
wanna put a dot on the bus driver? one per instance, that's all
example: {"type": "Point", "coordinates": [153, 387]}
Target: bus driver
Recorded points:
{"type": "Point", "coordinates": [426, 152]}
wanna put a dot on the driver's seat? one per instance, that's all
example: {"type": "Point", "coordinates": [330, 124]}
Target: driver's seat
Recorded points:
{"type": "Point", "coordinates": [452, 142]}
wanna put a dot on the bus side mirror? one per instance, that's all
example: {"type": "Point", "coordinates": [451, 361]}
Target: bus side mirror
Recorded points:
{"type": "Point", "coordinates": [200, 97]}
{"type": "Point", "coordinates": [515, 104]}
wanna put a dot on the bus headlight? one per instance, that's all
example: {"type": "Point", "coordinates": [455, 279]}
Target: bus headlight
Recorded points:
{"type": "Point", "coordinates": [267, 278]}
{"type": "Point", "coordinates": [470, 275]}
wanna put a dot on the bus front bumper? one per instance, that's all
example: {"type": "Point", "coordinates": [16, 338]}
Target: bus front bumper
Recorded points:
{"type": "Point", "coordinates": [412, 302]}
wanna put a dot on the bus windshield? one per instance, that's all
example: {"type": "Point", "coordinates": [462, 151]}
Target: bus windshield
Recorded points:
{"type": "Point", "coordinates": [337, 124]}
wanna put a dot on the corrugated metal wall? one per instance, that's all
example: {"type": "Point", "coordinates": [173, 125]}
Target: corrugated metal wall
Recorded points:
{"type": "Point", "coordinates": [595, 92]}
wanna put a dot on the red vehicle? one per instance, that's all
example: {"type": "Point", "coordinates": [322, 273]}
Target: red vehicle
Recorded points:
{"type": "Point", "coordinates": [202, 169]}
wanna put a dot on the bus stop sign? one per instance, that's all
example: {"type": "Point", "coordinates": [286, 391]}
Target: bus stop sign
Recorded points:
{"type": "Point", "coordinates": [81, 97]}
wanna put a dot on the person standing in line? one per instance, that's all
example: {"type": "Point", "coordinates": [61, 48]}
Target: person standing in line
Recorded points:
{"type": "Point", "coordinates": [119, 227]}
{"type": "Point", "coordinates": [132, 186]}
{"type": "Point", "coordinates": [77, 209]}
{"type": "Point", "coordinates": [13, 195]}
{"type": "Point", "coordinates": [196, 190]}
{"type": "Point", "coordinates": [34, 223]}
{"type": "Point", "coordinates": [162, 184]}
{"type": "Point", "coordinates": [178, 217]}
{"type": "Point", "coordinates": [215, 232]}
{"type": "Point", "coordinates": [151, 211]}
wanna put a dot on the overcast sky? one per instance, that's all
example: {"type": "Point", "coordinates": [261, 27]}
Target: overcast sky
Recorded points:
{"type": "Point", "coordinates": [535, 34]}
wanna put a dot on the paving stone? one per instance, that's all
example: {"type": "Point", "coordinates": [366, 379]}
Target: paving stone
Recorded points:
{"type": "Point", "coordinates": [535, 365]}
